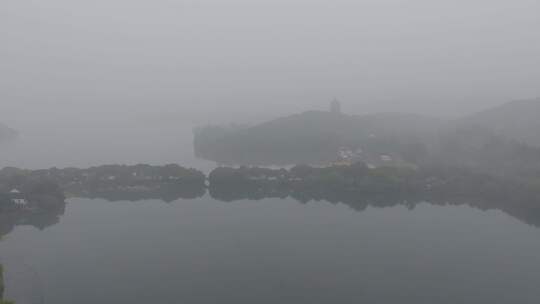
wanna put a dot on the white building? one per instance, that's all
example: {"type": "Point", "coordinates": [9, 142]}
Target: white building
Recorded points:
{"type": "Point", "coordinates": [17, 197]}
{"type": "Point", "coordinates": [386, 158]}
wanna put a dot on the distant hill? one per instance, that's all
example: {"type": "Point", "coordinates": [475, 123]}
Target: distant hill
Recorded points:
{"type": "Point", "coordinates": [313, 137]}
{"type": "Point", "coordinates": [519, 120]}
{"type": "Point", "coordinates": [6, 133]}
{"type": "Point", "coordinates": [483, 150]}
{"type": "Point", "coordinates": [504, 140]}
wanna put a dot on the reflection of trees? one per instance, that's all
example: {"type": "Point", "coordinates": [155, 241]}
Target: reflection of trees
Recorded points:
{"type": "Point", "coordinates": [359, 187]}
{"type": "Point", "coordinates": [525, 206]}
{"type": "Point", "coordinates": [167, 192]}
{"type": "Point", "coordinates": [518, 201]}
{"type": "Point", "coordinates": [40, 218]}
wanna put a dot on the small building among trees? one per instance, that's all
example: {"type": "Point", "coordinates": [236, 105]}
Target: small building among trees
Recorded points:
{"type": "Point", "coordinates": [17, 197]}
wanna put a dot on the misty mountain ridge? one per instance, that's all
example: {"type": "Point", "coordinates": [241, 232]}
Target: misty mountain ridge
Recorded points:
{"type": "Point", "coordinates": [519, 120]}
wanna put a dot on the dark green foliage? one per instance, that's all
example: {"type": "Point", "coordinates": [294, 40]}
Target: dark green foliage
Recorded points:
{"type": "Point", "coordinates": [2, 288]}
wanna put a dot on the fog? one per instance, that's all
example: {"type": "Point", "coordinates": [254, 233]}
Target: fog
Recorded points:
{"type": "Point", "coordinates": [269, 151]}
{"type": "Point", "coordinates": [87, 82]}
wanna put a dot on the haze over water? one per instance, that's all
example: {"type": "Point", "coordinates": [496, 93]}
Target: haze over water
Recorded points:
{"type": "Point", "coordinates": [272, 251]}
{"type": "Point", "coordinates": [92, 83]}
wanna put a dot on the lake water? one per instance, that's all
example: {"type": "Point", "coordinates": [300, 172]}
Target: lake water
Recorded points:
{"type": "Point", "coordinates": [272, 251]}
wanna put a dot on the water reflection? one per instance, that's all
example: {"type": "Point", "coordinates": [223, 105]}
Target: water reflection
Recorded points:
{"type": "Point", "coordinates": [38, 218]}
{"type": "Point", "coordinates": [526, 210]}
{"type": "Point", "coordinates": [165, 192]}
{"type": "Point", "coordinates": [205, 247]}
{"type": "Point", "coordinates": [523, 207]}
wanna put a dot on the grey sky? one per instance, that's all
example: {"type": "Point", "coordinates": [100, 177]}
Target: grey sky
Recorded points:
{"type": "Point", "coordinates": [111, 61]}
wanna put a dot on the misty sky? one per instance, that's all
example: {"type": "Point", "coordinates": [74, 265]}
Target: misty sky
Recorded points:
{"type": "Point", "coordinates": [114, 61]}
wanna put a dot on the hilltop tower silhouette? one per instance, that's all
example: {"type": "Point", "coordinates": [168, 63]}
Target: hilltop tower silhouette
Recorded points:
{"type": "Point", "coordinates": [335, 106]}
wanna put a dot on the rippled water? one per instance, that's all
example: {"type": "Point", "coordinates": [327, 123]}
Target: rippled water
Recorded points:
{"type": "Point", "coordinates": [272, 251]}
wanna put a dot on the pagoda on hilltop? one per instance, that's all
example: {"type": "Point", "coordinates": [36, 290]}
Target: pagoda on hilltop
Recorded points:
{"type": "Point", "coordinates": [335, 106]}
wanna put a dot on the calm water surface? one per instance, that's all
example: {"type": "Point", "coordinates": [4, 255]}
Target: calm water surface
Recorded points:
{"type": "Point", "coordinates": [272, 251]}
